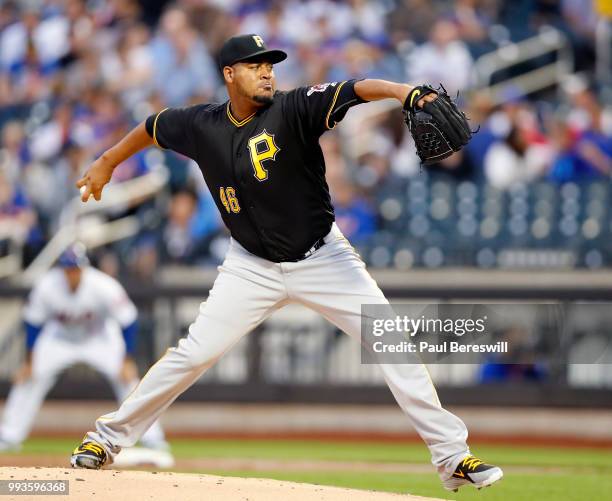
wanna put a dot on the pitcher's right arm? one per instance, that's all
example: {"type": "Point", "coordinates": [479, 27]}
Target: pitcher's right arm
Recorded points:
{"type": "Point", "coordinates": [101, 171]}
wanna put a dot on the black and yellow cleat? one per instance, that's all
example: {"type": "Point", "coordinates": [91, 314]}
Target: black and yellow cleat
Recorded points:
{"type": "Point", "coordinates": [88, 455]}
{"type": "Point", "coordinates": [474, 471]}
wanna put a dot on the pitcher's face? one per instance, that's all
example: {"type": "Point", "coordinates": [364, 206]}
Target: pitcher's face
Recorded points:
{"type": "Point", "coordinates": [252, 79]}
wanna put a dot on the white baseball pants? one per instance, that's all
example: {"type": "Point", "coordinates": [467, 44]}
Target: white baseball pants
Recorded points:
{"type": "Point", "coordinates": [334, 282]}
{"type": "Point", "coordinates": [51, 355]}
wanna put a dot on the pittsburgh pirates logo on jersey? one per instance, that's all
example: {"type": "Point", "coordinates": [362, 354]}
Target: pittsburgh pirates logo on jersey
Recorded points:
{"type": "Point", "coordinates": [262, 147]}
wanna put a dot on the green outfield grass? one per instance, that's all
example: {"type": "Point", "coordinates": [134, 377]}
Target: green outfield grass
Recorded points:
{"type": "Point", "coordinates": [557, 473]}
{"type": "Point", "coordinates": [512, 488]}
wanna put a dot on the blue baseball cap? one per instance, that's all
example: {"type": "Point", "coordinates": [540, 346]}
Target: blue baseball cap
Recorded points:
{"type": "Point", "coordinates": [74, 256]}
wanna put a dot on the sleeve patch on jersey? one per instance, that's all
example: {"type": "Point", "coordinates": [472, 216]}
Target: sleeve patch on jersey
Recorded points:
{"type": "Point", "coordinates": [320, 88]}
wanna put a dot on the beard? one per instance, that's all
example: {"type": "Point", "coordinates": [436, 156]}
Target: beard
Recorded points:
{"type": "Point", "coordinates": [265, 100]}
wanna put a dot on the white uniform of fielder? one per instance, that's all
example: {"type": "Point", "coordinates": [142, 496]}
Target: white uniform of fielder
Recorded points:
{"type": "Point", "coordinates": [76, 326]}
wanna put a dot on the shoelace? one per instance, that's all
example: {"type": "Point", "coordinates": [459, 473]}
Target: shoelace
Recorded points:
{"type": "Point", "coordinates": [471, 462]}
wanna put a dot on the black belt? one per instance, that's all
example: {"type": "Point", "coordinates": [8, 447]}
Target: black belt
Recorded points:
{"type": "Point", "coordinates": [317, 245]}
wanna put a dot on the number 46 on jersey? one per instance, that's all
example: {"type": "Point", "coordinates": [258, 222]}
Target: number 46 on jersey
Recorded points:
{"type": "Point", "coordinates": [229, 200]}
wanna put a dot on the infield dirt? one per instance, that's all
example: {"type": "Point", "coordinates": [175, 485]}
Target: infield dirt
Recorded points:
{"type": "Point", "coordinates": [140, 485]}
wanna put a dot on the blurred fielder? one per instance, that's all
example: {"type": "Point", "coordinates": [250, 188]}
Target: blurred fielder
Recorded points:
{"type": "Point", "coordinates": [259, 154]}
{"type": "Point", "coordinates": [76, 314]}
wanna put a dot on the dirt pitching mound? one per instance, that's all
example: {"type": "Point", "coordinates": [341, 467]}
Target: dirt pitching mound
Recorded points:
{"type": "Point", "coordinates": [140, 485]}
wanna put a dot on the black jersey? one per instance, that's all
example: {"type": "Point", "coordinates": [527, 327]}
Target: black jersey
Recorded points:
{"type": "Point", "coordinates": [265, 172]}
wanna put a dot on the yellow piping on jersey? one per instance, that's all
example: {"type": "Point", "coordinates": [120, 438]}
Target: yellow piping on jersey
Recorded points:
{"type": "Point", "coordinates": [155, 128]}
{"type": "Point", "coordinates": [415, 93]}
{"type": "Point", "coordinates": [236, 122]}
{"type": "Point", "coordinates": [331, 108]}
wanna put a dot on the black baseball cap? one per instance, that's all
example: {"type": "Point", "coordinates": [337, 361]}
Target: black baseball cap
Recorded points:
{"type": "Point", "coordinates": [244, 47]}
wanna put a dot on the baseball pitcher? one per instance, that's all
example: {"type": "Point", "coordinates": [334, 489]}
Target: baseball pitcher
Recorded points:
{"type": "Point", "coordinates": [259, 154]}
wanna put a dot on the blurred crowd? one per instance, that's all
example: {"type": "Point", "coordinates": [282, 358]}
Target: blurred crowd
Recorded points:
{"type": "Point", "coordinates": [76, 75]}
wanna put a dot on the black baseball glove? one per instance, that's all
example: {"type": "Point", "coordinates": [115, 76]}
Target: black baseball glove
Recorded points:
{"type": "Point", "coordinates": [440, 128]}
